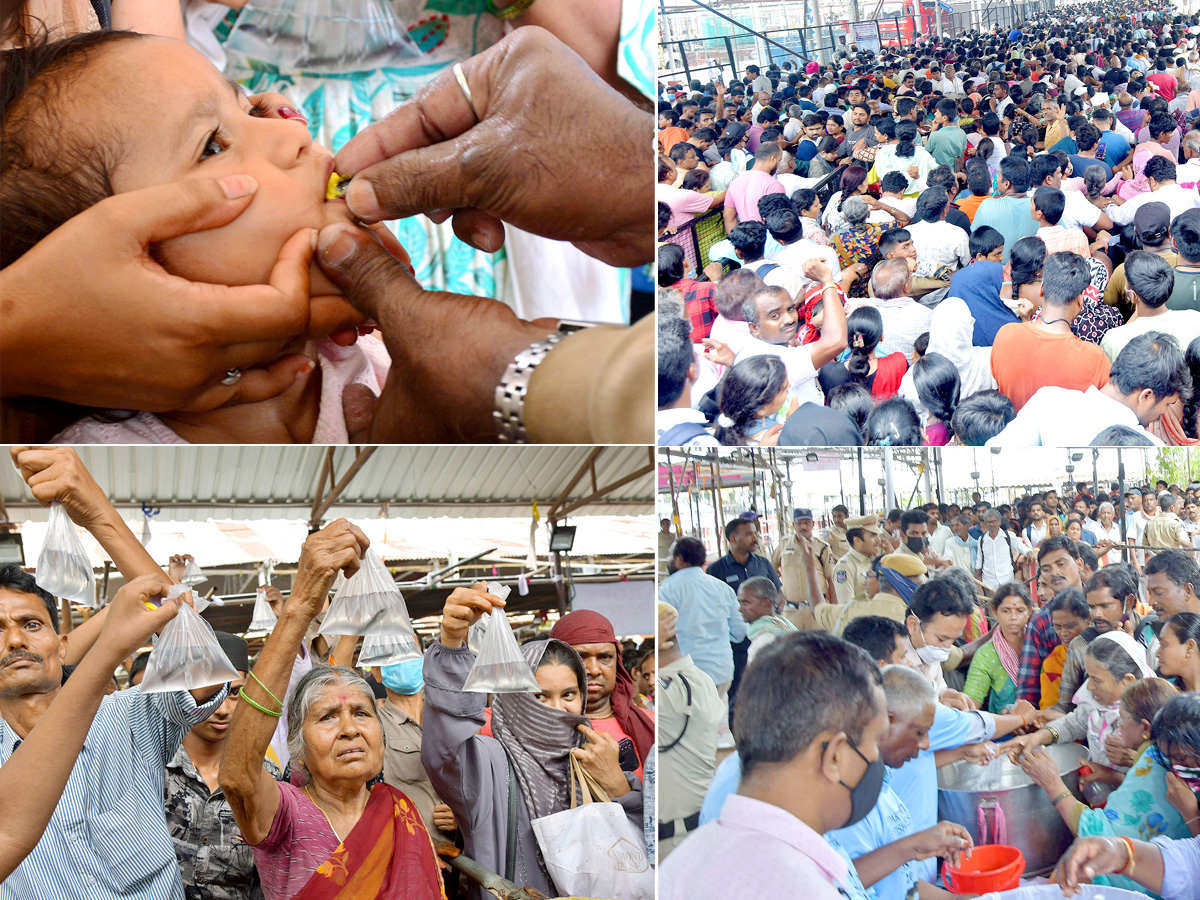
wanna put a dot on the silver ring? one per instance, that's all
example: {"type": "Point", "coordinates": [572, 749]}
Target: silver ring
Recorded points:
{"type": "Point", "coordinates": [461, 78]}
{"type": "Point", "coordinates": [233, 376]}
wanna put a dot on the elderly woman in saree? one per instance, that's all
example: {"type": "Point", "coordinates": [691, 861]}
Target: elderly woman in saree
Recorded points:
{"type": "Point", "coordinates": [342, 834]}
{"type": "Point", "coordinates": [521, 773]}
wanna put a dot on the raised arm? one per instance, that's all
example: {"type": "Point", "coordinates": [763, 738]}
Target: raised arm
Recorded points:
{"type": "Point", "coordinates": [252, 793]}
{"type": "Point", "coordinates": [48, 753]}
{"type": "Point", "coordinates": [834, 331]}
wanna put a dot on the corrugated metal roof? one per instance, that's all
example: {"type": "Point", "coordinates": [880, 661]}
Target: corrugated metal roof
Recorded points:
{"type": "Point", "coordinates": [224, 482]}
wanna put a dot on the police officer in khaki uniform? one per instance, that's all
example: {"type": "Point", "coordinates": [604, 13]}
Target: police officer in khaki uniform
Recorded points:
{"type": "Point", "coordinates": [804, 563]}
{"type": "Point", "coordinates": [835, 534]}
{"type": "Point", "coordinates": [863, 533]}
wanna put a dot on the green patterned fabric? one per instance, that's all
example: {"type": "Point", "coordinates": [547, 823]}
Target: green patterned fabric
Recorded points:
{"type": "Point", "coordinates": [987, 680]}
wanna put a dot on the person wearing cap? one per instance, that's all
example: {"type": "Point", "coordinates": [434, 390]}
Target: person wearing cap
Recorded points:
{"type": "Point", "coordinates": [1152, 225]}
{"type": "Point", "coordinates": [849, 572]}
{"type": "Point", "coordinates": [889, 581]}
{"type": "Point", "coordinates": [214, 861]}
{"type": "Point", "coordinates": [805, 565]}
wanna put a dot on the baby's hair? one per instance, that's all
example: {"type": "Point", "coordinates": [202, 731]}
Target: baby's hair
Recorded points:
{"type": "Point", "coordinates": [47, 174]}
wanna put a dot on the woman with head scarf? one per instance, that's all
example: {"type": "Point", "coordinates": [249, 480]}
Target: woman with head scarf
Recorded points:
{"type": "Point", "coordinates": [522, 772]}
{"type": "Point", "coordinates": [978, 285]}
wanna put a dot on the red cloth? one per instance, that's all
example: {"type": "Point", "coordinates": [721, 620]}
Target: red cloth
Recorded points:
{"type": "Point", "coordinates": [587, 627]}
{"type": "Point", "coordinates": [889, 372]}
{"type": "Point", "coordinates": [388, 855]}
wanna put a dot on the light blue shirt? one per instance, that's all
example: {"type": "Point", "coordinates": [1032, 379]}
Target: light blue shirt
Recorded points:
{"type": "Point", "coordinates": [1181, 867]}
{"type": "Point", "coordinates": [108, 835]}
{"type": "Point", "coordinates": [915, 782]}
{"type": "Point", "coordinates": [888, 821]}
{"type": "Point", "coordinates": [725, 782]}
{"type": "Point", "coordinates": [709, 620]}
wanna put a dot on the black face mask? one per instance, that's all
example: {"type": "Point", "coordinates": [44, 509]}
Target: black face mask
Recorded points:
{"type": "Point", "coordinates": [915, 544]}
{"type": "Point", "coordinates": [865, 794]}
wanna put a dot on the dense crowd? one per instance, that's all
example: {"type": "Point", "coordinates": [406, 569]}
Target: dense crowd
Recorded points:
{"type": "Point", "coordinates": [846, 665]}
{"type": "Point", "coordinates": [992, 238]}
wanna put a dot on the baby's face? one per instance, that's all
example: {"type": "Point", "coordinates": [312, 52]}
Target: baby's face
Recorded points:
{"type": "Point", "coordinates": [182, 119]}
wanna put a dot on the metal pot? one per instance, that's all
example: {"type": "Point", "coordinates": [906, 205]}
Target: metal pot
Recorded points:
{"type": "Point", "coordinates": [1000, 804]}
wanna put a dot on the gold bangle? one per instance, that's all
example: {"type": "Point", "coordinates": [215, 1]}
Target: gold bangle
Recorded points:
{"type": "Point", "coordinates": [1063, 796]}
{"type": "Point", "coordinates": [1127, 869]}
{"type": "Point", "coordinates": [262, 709]}
{"type": "Point", "coordinates": [267, 689]}
{"type": "Point", "coordinates": [511, 11]}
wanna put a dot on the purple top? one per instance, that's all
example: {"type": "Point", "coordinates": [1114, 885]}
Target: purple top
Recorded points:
{"type": "Point", "coordinates": [300, 839]}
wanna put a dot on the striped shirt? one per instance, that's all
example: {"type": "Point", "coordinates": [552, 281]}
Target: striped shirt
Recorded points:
{"type": "Point", "coordinates": [108, 835]}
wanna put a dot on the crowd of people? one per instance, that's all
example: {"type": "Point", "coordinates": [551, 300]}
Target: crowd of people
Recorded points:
{"type": "Point", "coordinates": [306, 776]}
{"type": "Point", "coordinates": [992, 238]}
{"type": "Point", "coordinates": [829, 677]}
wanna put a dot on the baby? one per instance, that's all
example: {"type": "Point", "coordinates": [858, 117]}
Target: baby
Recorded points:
{"type": "Point", "coordinates": [109, 112]}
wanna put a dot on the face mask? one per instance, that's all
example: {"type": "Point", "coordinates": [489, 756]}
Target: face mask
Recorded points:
{"type": "Point", "coordinates": [404, 678]}
{"type": "Point", "coordinates": [1189, 776]}
{"type": "Point", "coordinates": [915, 544]}
{"type": "Point", "coordinates": [865, 794]}
{"type": "Point", "coordinates": [930, 655]}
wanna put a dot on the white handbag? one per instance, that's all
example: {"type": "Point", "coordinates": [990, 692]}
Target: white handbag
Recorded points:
{"type": "Point", "coordinates": [592, 849]}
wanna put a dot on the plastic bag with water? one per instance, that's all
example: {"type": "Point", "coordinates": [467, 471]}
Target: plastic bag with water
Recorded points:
{"type": "Point", "coordinates": [264, 618]}
{"type": "Point", "coordinates": [368, 603]}
{"type": "Point", "coordinates": [389, 649]}
{"type": "Point", "coordinates": [63, 566]}
{"type": "Point", "coordinates": [327, 37]}
{"type": "Point", "coordinates": [186, 656]}
{"type": "Point", "coordinates": [499, 666]}
{"type": "Point", "coordinates": [192, 574]}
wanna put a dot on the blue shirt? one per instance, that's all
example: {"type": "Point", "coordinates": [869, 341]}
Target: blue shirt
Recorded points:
{"type": "Point", "coordinates": [915, 782]}
{"type": "Point", "coordinates": [108, 835]}
{"type": "Point", "coordinates": [709, 619]}
{"type": "Point", "coordinates": [1079, 165]}
{"type": "Point", "coordinates": [889, 820]}
{"type": "Point", "coordinates": [1116, 148]}
{"type": "Point", "coordinates": [1181, 867]}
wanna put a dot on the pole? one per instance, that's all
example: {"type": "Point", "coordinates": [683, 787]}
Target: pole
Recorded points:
{"type": "Point", "coordinates": [696, 490]}
{"type": "Point", "coordinates": [714, 469]}
{"type": "Point", "coordinates": [1096, 471]}
{"type": "Point", "coordinates": [674, 501]}
{"type": "Point", "coordinates": [1124, 511]}
{"type": "Point", "coordinates": [925, 471]}
{"type": "Point", "coordinates": [862, 486]}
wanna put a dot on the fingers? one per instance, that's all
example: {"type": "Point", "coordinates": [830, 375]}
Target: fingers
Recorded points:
{"type": "Point", "coordinates": [364, 272]}
{"type": "Point", "coordinates": [479, 229]}
{"type": "Point", "coordinates": [413, 182]}
{"type": "Point", "coordinates": [168, 210]}
{"type": "Point", "coordinates": [255, 385]}
{"type": "Point", "coordinates": [358, 408]}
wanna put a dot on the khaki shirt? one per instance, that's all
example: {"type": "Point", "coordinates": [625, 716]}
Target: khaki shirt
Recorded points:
{"type": "Point", "coordinates": [838, 542]}
{"type": "Point", "coordinates": [848, 577]}
{"type": "Point", "coordinates": [1165, 530]}
{"type": "Point", "coordinates": [834, 617]}
{"type": "Point", "coordinates": [402, 767]}
{"type": "Point", "coordinates": [791, 561]}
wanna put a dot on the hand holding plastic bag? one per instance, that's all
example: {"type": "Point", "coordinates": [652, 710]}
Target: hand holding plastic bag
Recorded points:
{"type": "Point", "coordinates": [63, 566]}
{"type": "Point", "coordinates": [187, 655]}
{"type": "Point", "coordinates": [389, 649]}
{"type": "Point", "coordinates": [263, 618]}
{"type": "Point", "coordinates": [368, 603]}
{"type": "Point", "coordinates": [499, 666]}
{"type": "Point", "coordinates": [192, 574]}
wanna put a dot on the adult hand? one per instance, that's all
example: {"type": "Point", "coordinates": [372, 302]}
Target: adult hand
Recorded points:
{"type": "Point", "coordinates": [131, 618]}
{"type": "Point", "coordinates": [945, 839]}
{"type": "Point", "coordinates": [1041, 767]}
{"type": "Point", "coordinates": [1180, 796]}
{"type": "Point", "coordinates": [717, 352]}
{"type": "Point", "coordinates": [177, 565]}
{"type": "Point", "coordinates": [816, 269]}
{"type": "Point", "coordinates": [980, 754]}
{"type": "Point", "coordinates": [443, 818]}
{"type": "Point", "coordinates": [1024, 709]}
{"type": "Point", "coordinates": [57, 473]}
{"type": "Point", "coordinates": [1118, 753]}
{"type": "Point", "coordinates": [1087, 858]}
{"type": "Point", "coordinates": [956, 700]}
{"type": "Point", "coordinates": [1019, 746]}
{"type": "Point", "coordinates": [600, 758]}
{"type": "Point", "coordinates": [165, 343]}
{"type": "Point", "coordinates": [449, 351]}
{"type": "Point", "coordinates": [338, 547]}
{"type": "Point", "coordinates": [770, 437]}
{"type": "Point", "coordinates": [464, 607]}
{"type": "Point", "coordinates": [513, 158]}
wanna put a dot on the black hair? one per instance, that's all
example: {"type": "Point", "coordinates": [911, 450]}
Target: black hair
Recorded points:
{"type": "Point", "coordinates": [981, 416]}
{"type": "Point", "coordinates": [1179, 567]}
{"type": "Point", "coordinates": [1050, 202]}
{"type": "Point", "coordinates": [1160, 123]}
{"type": "Point", "coordinates": [906, 135]}
{"type": "Point", "coordinates": [921, 344]}
{"type": "Point", "coordinates": [938, 596]}
{"type": "Point", "coordinates": [675, 356]}
{"type": "Point", "coordinates": [695, 179]}
{"type": "Point", "coordinates": [1028, 259]}
{"type": "Point", "coordinates": [893, 182]}
{"type": "Point", "coordinates": [983, 153]}
{"type": "Point", "coordinates": [747, 387]}
{"type": "Point", "coordinates": [138, 665]}
{"type": "Point", "coordinates": [1087, 136]}
{"type": "Point", "coordinates": [1152, 360]}
{"type": "Point", "coordinates": [991, 124]}
{"type": "Point", "coordinates": [803, 199]}
{"type": "Point", "coordinates": [784, 224]}
{"type": "Point", "coordinates": [1185, 626]}
{"type": "Point", "coordinates": [680, 151]}
{"type": "Point", "coordinates": [1056, 543]}
{"type": "Point", "coordinates": [750, 239]}
{"type": "Point", "coordinates": [979, 177]}
{"type": "Point", "coordinates": [664, 215]}
{"type": "Point", "coordinates": [769, 203]}
{"type": "Point", "coordinates": [854, 399]}
{"type": "Point", "coordinates": [1041, 167]}
{"type": "Point", "coordinates": [851, 181]}
{"type": "Point", "coordinates": [913, 517]}
{"type": "Point", "coordinates": [670, 264]}
{"type": "Point", "coordinates": [1185, 229]}
{"type": "Point", "coordinates": [1065, 276]}
{"type": "Point", "coordinates": [1085, 554]}
{"type": "Point", "coordinates": [14, 578]}
{"type": "Point", "coordinates": [691, 550]}
{"type": "Point", "coordinates": [892, 238]}
{"type": "Point", "coordinates": [800, 686]}
{"type": "Point", "coordinates": [1071, 600]}
{"type": "Point", "coordinates": [558, 653]}
{"type": "Point", "coordinates": [1151, 276]}
{"type": "Point", "coordinates": [875, 634]}
{"type": "Point", "coordinates": [1015, 171]}
{"type": "Point", "coordinates": [1160, 169]}
{"type": "Point", "coordinates": [864, 329]}
{"type": "Point", "coordinates": [985, 240]}
{"type": "Point", "coordinates": [886, 126]}
{"type": "Point", "coordinates": [1177, 725]}
{"type": "Point", "coordinates": [931, 204]}
{"type": "Point", "coordinates": [943, 177]}
{"type": "Point", "coordinates": [1013, 589]}
{"type": "Point", "coordinates": [948, 108]}
{"type": "Point", "coordinates": [1115, 659]}
{"type": "Point", "coordinates": [938, 385]}
{"type": "Point", "coordinates": [893, 423]}
{"type": "Point", "coordinates": [1119, 580]}
{"type": "Point", "coordinates": [1122, 436]}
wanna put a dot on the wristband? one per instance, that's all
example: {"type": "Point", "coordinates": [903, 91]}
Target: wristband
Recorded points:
{"type": "Point", "coordinates": [1127, 869]}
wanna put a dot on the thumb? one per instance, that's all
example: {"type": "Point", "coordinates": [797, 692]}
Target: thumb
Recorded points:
{"type": "Point", "coordinates": [165, 211]}
{"type": "Point", "coordinates": [364, 271]}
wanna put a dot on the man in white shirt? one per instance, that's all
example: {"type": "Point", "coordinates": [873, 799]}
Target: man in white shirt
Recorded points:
{"type": "Point", "coordinates": [904, 319]}
{"type": "Point", "coordinates": [937, 241]}
{"type": "Point", "coordinates": [1037, 529]}
{"type": "Point", "coordinates": [1108, 529]}
{"type": "Point", "coordinates": [997, 551]}
{"type": "Point", "coordinates": [1079, 211]}
{"type": "Point", "coordinates": [1160, 172]}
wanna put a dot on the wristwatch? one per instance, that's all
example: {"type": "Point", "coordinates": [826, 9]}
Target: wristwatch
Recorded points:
{"type": "Point", "coordinates": [514, 385]}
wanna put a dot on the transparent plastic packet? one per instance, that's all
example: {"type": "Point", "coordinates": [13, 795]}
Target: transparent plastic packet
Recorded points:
{"type": "Point", "coordinates": [187, 655]}
{"type": "Point", "coordinates": [499, 666]}
{"type": "Point", "coordinates": [63, 566]}
{"type": "Point", "coordinates": [192, 574]}
{"type": "Point", "coordinates": [264, 618]}
{"type": "Point", "coordinates": [368, 603]}
{"type": "Point", "coordinates": [389, 649]}
{"type": "Point", "coordinates": [329, 37]}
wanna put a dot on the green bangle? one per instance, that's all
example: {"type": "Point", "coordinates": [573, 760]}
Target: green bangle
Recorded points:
{"type": "Point", "coordinates": [511, 11]}
{"type": "Point", "coordinates": [1063, 796]}
{"type": "Point", "coordinates": [262, 709]}
{"type": "Point", "coordinates": [267, 689]}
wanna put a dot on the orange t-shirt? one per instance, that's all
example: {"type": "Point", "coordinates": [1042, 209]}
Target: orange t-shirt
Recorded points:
{"type": "Point", "coordinates": [669, 137]}
{"type": "Point", "coordinates": [969, 206]}
{"type": "Point", "coordinates": [1026, 358]}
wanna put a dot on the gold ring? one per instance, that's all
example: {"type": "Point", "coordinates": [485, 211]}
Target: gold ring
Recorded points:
{"type": "Point", "coordinates": [461, 78]}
